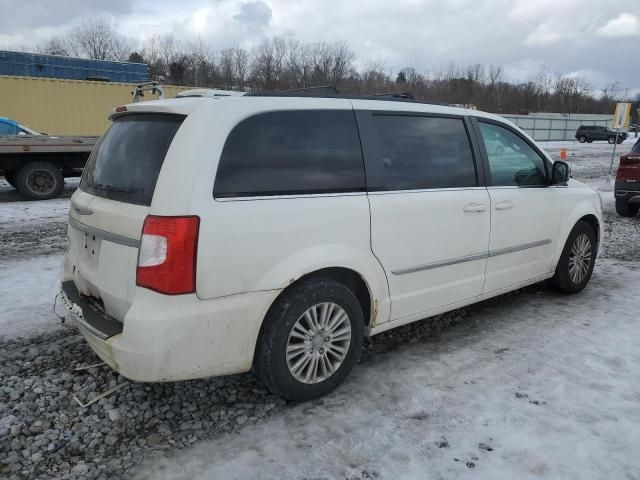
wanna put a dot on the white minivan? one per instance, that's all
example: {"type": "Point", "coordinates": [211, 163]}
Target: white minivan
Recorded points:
{"type": "Point", "coordinates": [271, 232]}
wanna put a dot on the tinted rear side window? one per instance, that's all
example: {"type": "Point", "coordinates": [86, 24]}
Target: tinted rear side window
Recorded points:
{"type": "Point", "coordinates": [292, 152]}
{"type": "Point", "coordinates": [423, 152]}
{"type": "Point", "coordinates": [126, 162]}
{"type": "Point", "coordinates": [636, 147]}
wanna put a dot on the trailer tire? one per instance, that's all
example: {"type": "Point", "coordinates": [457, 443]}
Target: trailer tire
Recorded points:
{"type": "Point", "coordinates": [10, 177]}
{"type": "Point", "coordinates": [39, 181]}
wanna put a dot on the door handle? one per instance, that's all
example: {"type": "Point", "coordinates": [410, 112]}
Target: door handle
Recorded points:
{"type": "Point", "coordinates": [504, 205]}
{"type": "Point", "coordinates": [474, 207]}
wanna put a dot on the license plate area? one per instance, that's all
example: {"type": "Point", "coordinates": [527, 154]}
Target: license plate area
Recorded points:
{"type": "Point", "coordinates": [90, 243]}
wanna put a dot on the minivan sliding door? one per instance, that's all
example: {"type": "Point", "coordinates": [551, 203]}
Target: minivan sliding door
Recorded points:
{"type": "Point", "coordinates": [429, 211]}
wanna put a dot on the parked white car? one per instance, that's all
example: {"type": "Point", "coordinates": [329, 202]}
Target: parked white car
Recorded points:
{"type": "Point", "coordinates": [215, 236]}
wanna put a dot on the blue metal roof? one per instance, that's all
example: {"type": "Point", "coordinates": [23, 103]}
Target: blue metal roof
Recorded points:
{"type": "Point", "coordinates": [54, 66]}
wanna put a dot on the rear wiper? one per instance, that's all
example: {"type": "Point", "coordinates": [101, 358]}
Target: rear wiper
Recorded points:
{"type": "Point", "coordinates": [111, 188]}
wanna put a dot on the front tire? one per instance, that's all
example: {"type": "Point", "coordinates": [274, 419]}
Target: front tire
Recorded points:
{"type": "Point", "coordinates": [624, 209]}
{"type": "Point", "coordinates": [611, 140]}
{"type": "Point", "coordinates": [311, 339]}
{"type": "Point", "coordinates": [582, 139]}
{"type": "Point", "coordinates": [39, 181]}
{"type": "Point", "coordinates": [578, 258]}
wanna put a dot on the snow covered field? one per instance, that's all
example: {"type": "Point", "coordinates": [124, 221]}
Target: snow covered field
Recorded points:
{"type": "Point", "coordinates": [529, 385]}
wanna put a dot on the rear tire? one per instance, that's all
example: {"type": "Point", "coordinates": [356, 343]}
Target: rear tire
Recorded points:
{"type": "Point", "coordinates": [589, 141]}
{"type": "Point", "coordinates": [299, 358]}
{"type": "Point", "coordinates": [625, 209]}
{"type": "Point", "coordinates": [582, 139]}
{"type": "Point", "coordinates": [578, 258]}
{"type": "Point", "coordinates": [39, 181]}
{"type": "Point", "coordinates": [10, 177]}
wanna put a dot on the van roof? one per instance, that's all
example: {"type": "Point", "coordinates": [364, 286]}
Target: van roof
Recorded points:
{"type": "Point", "coordinates": [186, 105]}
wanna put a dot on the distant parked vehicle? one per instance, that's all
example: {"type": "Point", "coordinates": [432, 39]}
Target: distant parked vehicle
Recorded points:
{"type": "Point", "coordinates": [590, 133]}
{"type": "Point", "coordinates": [627, 189]}
{"type": "Point", "coordinates": [11, 127]}
{"type": "Point", "coordinates": [35, 163]}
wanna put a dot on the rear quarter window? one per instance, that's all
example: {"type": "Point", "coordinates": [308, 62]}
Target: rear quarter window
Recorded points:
{"type": "Point", "coordinates": [125, 163]}
{"type": "Point", "coordinates": [291, 152]}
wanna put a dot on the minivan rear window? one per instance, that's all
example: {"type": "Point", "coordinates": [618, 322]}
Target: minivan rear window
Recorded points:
{"type": "Point", "coordinates": [291, 153]}
{"type": "Point", "coordinates": [125, 163]}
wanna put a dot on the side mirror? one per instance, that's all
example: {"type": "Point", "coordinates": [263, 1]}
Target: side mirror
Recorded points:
{"type": "Point", "coordinates": [560, 172]}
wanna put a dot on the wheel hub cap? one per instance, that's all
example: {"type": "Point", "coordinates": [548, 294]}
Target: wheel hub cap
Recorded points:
{"type": "Point", "coordinates": [41, 181]}
{"type": "Point", "coordinates": [318, 343]}
{"type": "Point", "coordinates": [580, 258]}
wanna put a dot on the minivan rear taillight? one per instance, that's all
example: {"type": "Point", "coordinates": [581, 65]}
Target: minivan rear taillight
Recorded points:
{"type": "Point", "coordinates": [167, 256]}
{"type": "Point", "coordinates": [629, 168]}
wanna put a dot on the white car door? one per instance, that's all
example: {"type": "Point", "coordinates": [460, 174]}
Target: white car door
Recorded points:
{"type": "Point", "coordinates": [525, 211]}
{"type": "Point", "coordinates": [429, 211]}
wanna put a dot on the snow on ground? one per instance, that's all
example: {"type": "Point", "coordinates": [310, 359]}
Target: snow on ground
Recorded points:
{"type": "Point", "coordinates": [589, 160]}
{"type": "Point", "coordinates": [28, 290]}
{"type": "Point", "coordinates": [535, 385]}
{"type": "Point", "coordinates": [27, 214]}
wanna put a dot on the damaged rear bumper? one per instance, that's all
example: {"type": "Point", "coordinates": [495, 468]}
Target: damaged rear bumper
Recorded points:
{"type": "Point", "coordinates": [170, 338]}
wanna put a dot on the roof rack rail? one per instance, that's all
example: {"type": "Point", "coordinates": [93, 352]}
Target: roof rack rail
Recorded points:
{"type": "Point", "coordinates": [404, 95]}
{"type": "Point", "coordinates": [328, 88]}
{"type": "Point", "coordinates": [314, 94]}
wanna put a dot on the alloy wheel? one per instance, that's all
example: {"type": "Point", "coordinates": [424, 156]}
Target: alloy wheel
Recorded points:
{"type": "Point", "coordinates": [580, 258]}
{"type": "Point", "coordinates": [318, 343]}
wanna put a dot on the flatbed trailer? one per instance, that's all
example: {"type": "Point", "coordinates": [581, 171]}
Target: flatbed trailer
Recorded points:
{"type": "Point", "coordinates": [36, 165]}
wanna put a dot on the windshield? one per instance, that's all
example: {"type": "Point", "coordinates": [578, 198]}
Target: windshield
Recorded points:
{"type": "Point", "coordinates": [126, 162]}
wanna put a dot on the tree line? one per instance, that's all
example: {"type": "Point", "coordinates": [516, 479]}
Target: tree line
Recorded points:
{"type": "Point", "coordinates": [285, 64]}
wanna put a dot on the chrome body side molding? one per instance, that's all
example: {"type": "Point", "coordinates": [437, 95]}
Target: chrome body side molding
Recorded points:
{"type": "Point", "coordinates": [471, 258]}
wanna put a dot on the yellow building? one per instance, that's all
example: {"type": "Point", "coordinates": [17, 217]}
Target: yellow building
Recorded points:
{"type": "Point", "coordinates": [65, 107]}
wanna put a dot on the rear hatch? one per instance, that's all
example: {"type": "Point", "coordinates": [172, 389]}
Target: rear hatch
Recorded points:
{"type": "Point", "coordinates": [108, 211]}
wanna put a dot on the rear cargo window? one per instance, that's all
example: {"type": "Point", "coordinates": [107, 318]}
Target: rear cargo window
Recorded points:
{"type": "Point", "coordinates": [636, 147]}
{"type": "Point", "coordinates": [126, 162]}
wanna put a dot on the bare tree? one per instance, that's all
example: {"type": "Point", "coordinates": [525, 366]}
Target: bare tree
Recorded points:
{"type": "Point", "coordinates": [55, 46]}
{"type": "Point", "coordinates": [93, 38]}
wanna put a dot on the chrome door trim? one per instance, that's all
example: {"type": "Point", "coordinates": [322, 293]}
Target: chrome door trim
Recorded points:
{"type": "Point", "coordinates": [471, 258]}
{"type": "Point", "coordinates": [108, 236]}
{"type": "Point", "coordinates": [443, 263]}
{"type": "Point", "coordinates": [517, 248]}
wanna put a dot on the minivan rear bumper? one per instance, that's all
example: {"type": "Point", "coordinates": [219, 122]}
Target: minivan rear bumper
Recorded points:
{"type": "Point", "coordinates": [170, 338]}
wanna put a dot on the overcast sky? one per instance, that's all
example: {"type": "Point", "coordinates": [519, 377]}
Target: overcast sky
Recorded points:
{"type": "Point", "coordinates": [598, 39]}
